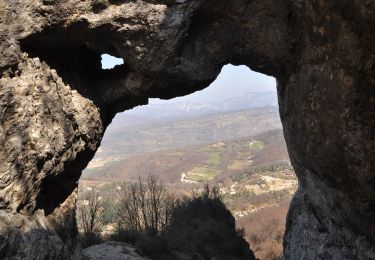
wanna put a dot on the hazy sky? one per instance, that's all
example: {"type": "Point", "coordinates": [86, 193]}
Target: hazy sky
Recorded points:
{"type": "Point", "coordinates": [233, 81]}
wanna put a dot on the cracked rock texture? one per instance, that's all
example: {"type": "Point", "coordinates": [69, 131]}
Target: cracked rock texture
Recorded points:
{"type": "Point", "coordinates": [56, 101]}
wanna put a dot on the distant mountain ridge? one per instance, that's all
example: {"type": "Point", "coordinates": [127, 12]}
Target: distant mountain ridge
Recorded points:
{"type": "Point", "coordinates": [248, 100]}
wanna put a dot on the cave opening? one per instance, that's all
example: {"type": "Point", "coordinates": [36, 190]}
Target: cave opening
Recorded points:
{"type": "Point", "coordinates": [90, 67]}
{"type": "Point", "coordinates": [228, 135]}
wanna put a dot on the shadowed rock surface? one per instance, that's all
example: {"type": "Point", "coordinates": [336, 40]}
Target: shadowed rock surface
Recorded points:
{"type": "Point", "coordinates": [56, 101]}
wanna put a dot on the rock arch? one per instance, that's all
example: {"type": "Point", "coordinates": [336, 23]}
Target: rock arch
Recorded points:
{"type": "Point", "coordinates": [56, 103]}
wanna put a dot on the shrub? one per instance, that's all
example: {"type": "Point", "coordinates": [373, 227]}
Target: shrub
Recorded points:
{"type": "Point", "coordinates": [145, 206]}
{"type": "Point", "coordinates": [203, 226]}
{"type": "Point", "coordinates": [89, 214]}
{"type": "Point", "coordinates": [200, 227]}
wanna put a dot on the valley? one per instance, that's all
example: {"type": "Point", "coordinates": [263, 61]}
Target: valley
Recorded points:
{"type": "Point", "coordinates": [242, 152]}
{"type": "Point", "coordinates": [134, 135]}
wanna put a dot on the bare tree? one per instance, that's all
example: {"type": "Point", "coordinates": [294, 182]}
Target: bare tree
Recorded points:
{"type": "Point", "coordinates": [145, 206]}
{"type": "Point", "coordinates": [90, 219]}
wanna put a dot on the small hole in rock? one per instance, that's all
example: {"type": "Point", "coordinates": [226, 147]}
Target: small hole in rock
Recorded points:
{"type": "Point", "coordinates": [109, 62]}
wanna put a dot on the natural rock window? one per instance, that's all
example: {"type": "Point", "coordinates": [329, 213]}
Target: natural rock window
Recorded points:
{"type": "Point", "coordinates": [56, 102]}
{"type": "Point", "coordinates": [109, 61]}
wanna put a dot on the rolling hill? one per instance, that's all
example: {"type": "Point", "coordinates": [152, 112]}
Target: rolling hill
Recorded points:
{"type": "Point", "coordinates": [146, 135]}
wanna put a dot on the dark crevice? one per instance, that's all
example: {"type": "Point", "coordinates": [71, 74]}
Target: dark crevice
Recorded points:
{"type": "Point", "coordinates": [76, 63]}
{"type": "Point", "coordinates": [56, 188]}
{"type": "Point", "coordinates": [79, 67]}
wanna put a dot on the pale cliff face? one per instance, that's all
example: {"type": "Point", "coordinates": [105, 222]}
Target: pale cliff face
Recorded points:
{"type": "Point", "coordinates": [55, 102]}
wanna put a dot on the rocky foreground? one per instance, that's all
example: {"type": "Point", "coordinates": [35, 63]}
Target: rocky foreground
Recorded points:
{"type": "Point", "coordinates": [112, 250]}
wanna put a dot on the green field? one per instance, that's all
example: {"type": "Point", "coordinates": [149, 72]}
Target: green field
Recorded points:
{"type": "Point", "coordinates": [215, 158]}
{"type": "Point", "coordinates": [202, 174]}
{"type": "Point", "coordinates": [257, 145]}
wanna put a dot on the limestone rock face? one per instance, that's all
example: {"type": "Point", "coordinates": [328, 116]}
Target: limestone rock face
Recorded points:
{"type": "Point", "coordinates": [56, 101]}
